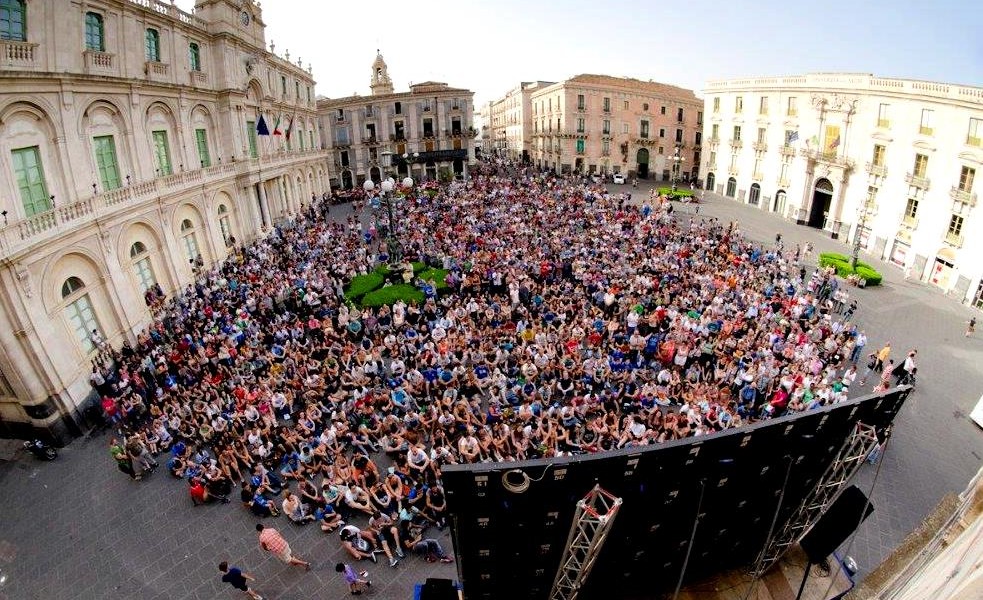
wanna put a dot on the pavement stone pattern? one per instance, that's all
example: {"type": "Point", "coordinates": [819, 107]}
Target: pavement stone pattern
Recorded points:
{"type": "Point", "coordinates": [78, 528]}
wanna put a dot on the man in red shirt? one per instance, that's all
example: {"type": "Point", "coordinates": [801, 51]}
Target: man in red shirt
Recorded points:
{"type": "Point", "coordinates": [271, 541]}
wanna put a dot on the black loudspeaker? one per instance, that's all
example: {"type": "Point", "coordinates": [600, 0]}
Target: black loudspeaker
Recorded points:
{"type": "Point", "coordinates": [836, 525]}
{"type": "Point", "coordinates": [438, 589]}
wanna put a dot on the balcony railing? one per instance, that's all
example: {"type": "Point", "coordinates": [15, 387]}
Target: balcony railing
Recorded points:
{"type": "Point", "coordinates": [909, 221]}
{"type": "Point", "coordinates": [916, 181]}
{"type": "Point", "coordinates": [829, 158]}
{"type": "Point", "coordinates": [964, 196]}
{"type": "Point", "coordinates": [788, 150]}
{"type": "Point", "coordinates": [954, 239]}
{"type": "Point", "coordinates": [17, 54]}
{"type": "Point", "coordinates": [736, 144]}
{"type": "Point", "coordinates": [713, 141]}
{"type": "Point", "coordinates": [757, 176]}
{"type": "Point", "coordinates": [783, 182]}
{"type": "Point", "coordinates": [43, 226]}
{"type": "Point", "coordinates": [876, 169]}
{"type": "Point", "coordinates": [156, 70]}
{"type": "Point", "coordinates": [759, 146]}
{"type": "Point", "coordinates": [199, 78]}
{"type": "Point", "coordinates": [733, 171]}
{"type": "Point", "coordinates": [99, 62]}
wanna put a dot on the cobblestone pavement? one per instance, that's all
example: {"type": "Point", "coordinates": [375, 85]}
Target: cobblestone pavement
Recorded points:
{"type": "Point", "coordinates": [78, 528]}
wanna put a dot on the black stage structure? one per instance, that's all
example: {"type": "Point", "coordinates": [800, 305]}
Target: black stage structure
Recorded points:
{"type": "Point", "coordinates": [510, 521]}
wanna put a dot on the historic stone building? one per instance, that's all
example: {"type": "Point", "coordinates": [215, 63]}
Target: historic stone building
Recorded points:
{"type": "Point", "coordinates": [888, 163]}
{"type": "Point", "coordinates": [129, 156]}
{"type": "Point", "coordinates": [426, 133]}
{"type": "Point", "coordinates": [602, 124]}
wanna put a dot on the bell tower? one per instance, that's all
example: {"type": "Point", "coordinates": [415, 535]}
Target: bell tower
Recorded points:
{"type": "Point", "coordinates": [381, 84]}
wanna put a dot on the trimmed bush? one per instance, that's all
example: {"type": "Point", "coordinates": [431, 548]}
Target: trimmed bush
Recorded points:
{"type": "Point", "coordinates": [363, 284]}
{"type": "Point", "coordinates": [390, 294]}
{"type": "Point", "coordinates": [439, 277]}
{"type": "Point", "coordinates": [870, 276]}
{"type": "Point", "coordinates": [667, 191]}
{"type": "Point", "coordinates": [833, 256]}
{"type": "Point", "coordinates": [418, 266]}
{"type": "Point", "coordinates": [844, 269]}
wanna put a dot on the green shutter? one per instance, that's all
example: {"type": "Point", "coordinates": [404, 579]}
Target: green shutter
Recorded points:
{"type": "Point", "coordinates": [251, 134]}
{"type": "Point", "coordinates": [94, 39]}
{"type": "Point", "coordinates": [194, 57]}
{"type": "Point", "coordinates": [12, 21]}
{"type": "Point", "coordinates": [310, 136]}
{"type": "Point", "coordinates": [162, 152]}
{"type": "Point", "coordinates": [106, 162]}
{"type": "Point", "coordinates": [30, 180]}
{"type": "Point", "coordinates": [201, 139]}
{"type": "Point", "coordinates": [153, 45]}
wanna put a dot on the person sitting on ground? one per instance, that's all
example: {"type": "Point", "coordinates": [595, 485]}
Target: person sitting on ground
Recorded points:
{"type": "Point", "coordinates": [200, 493]}
{"type": "Point", "coordinates": [361, 545]}
{"type": "Point", "coordinates": [295, 509]}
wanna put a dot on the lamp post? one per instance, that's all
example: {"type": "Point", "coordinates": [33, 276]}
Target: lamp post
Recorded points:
{"type": "Point", "coordinates": [387, 200]}
{"type": "Point", "coordinates": [677, 163]}
{"type": "Point", "coordinates": [862, 213]}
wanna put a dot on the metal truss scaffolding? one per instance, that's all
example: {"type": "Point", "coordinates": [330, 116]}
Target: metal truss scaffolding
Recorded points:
{"type": "Point", "coordinates": [590, 528]}
{"type": "Point", "coordinates": [851, 456]}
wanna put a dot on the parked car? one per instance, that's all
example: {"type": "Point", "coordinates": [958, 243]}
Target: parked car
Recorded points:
{"type": "Point", "coordinates": [619, 178]}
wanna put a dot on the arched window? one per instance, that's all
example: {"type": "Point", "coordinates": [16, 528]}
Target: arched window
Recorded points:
{"type": "Point", "coordinates": [190, 240]}
{"type": "Point", "coordinates": [225, 224]}
{"type": "Point", "coordinates": [80, 315]}
{"type": "Point", "coordinates": [95, 38]}
{"type": "Point", "coordinates": [142, 267]}
{"type": "Point", "coordinates": [194, 56]}
{"type": "Point", "coordinates": [152, 45]}
{"type": "Point", "coordinates": [780, 202]}
{"type": "Point", "coordinates": [13, 20]}
{"type": "Point", "coordinates": [731, 187]}
{"type": "Point", "coordinates": [754, 195]}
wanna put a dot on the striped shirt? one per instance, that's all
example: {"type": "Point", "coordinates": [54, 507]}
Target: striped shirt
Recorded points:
{"type": "Point", "coordinates": [271, 540]}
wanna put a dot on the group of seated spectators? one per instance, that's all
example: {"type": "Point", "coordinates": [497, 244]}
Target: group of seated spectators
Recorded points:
{"type": "Point", "coordinates": [573, 321]}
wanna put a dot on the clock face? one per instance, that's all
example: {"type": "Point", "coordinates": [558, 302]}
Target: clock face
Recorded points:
{"type": "Point", "coordinates": [244, 18]}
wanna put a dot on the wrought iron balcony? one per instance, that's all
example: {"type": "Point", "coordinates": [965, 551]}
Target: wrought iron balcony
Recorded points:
{"type": "Point", "coordinates": [917, 181]}
{"type": "Point", "coordinates": [759, 146]}
{"type": "Point", "coordinates": [736, 144]}
{"type": "Point", "coordinates": [878, 170]}
{"type": "Point", "coordinates": [788, 150]}
{"type": "Point", "coordinates": [966, 197]}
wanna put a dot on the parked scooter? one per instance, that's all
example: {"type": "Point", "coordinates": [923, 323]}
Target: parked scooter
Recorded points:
{"type": "Point", "coordinates": [41, 450]}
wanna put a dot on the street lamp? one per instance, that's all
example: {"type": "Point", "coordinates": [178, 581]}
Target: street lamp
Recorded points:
{"type": "Point", "coordinates": [862, 213]}
{"type": "Point", "coordinates": [387, 200]}
{"type": "Point", "coordinates": [677, 163]}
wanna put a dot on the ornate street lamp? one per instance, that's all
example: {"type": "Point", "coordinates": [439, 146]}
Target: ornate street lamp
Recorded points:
{"type": "Point", "coordinates": [677, 164]}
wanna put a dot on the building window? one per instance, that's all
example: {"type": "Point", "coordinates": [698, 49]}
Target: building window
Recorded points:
{"type": "Point", "coordinates": [679, 115]}
{"type": "Point", "coordinates": [283, 85]}
{"type": "Point", "coordinates": [762, 134]}
{"type": "Point", "coordinates": [194, 57]}
{"type": "Point", "coordinates": [105, 148]}
{"type": "Point", "coordinates": [716, 104]}
{"type": "Point", "coordinates": [755, 194]}
{"type": "Point", "coordinates": [13, 19]}
{"type": "Point", "coordinates": [739, 104]}
{"type": "Point", "coordinates": [79, 314]}
{"type": "Point", "coordinates": [251, 136]}
{"type": "Point", "coordinates": [792, 108]}
{"type": "Point", "coordinates": [662, 110]}
{"type": "Point", "coordinates": [763, 105]}
{"type": "Point", "coordinates": [662, 132]}
{"type": "Point", "coordinates": [883, 121]}
{"type": "Point", "coordinates": [605, 147]}
{"type": "Point", "coordinates": [398, 108]}
{"type": "Point", "coordinates": [580, 125]}
{"type": "Point", "coordinates": [955, 225]}
{"type": "Point", "coordinates": [624, 128]}
{"type": "Point", "coordinates": [606, 127]}
{"type": "Point", "coordinates": [925, 128]}
{"type": "Point", "coordinates": [645, 106]}
{"type": "Point", "coordinates": [142, 267]}
{"type": "Point", "coordinates": [731, 187]}
{"type": "Point", "coordinates": [966, 176]}
{"type": "Point", "coordinates": [94, 33]}
{"type": "Point", "coordinates": [975, 132]}
{"type": "Point", "coordinates": [190, 240]}
{"type": "Point", "coordinates": [679, 136]}
{"type": "Point", "coordinates": [201, 141]}
{"type": "Point", "coordinates": [737, 133]}
{"type": "Point", "coordinates": [308, 93]}
{"type": "Point", "coordinates": [30, 180]}
{"type": "Point", "coordinates": [878, 159]}
{"type": "Point", "coordinates": [581, 102]}
{"type": "Point", "coordinates": [626, 105]}
{"type": "Point", "coordinates": [911, 209]}
{"type": "Point", "coordinates": [921, 165]}
{"type": "Point", "coordinates": [715, 131]}
{"type": "Point", "coordinates": [152, 45]}
{"type": "Point", "coordinates": [698, 138]}
{"type": "Point", "coordinates": [580, 145]}
{"type": "Point", "coordinates": [644, 129]}
{"type": "Point", "coordinates": [162, 153]}
{"type": "Point", "coordinates": [713, 159]}
{"type": "Point", "coordinates": [607, 105]}
{"type": "Point", "coordinates": [225, 224]}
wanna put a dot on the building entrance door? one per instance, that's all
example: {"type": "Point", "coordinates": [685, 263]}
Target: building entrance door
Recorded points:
{"type": "Point", "coordinates": [822, 198]}
{"type": "Point", "coordinates": [643, 163]}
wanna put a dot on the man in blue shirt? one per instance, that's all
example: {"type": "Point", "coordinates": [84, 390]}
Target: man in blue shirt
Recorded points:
{"type": "Point", "coordinates": [237, 579]}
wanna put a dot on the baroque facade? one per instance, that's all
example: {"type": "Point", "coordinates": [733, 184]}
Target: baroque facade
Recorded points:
{"type": "Point", "coordinates": [425, 133]}
{"type": "Point", "coordinates": [602, 124]}
{"type": "Point", "coordinates": [886, 163]}
{"type": "Point", "coordinates": [130, 158]}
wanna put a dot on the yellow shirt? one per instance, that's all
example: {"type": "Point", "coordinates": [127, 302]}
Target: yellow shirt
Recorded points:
{"type": "Point", "coordinates": [884, 353]}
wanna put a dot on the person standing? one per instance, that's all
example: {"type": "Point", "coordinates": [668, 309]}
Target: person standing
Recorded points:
{"type": "Point", "coordinates": [271, 541]}
{"type": "Point", "coordinates": [356, 581]}
{"type": "Point", "coordinates": [882, 356]}
{"type": "Point", "coordinates": [859, 343]}
{"type": "Point", "coordinates": [971, 327]}
{"type": "Point", "coordinates": [238, 579]}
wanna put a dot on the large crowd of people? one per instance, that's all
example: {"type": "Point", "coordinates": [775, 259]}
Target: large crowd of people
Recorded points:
{"type": "Point", "coordinates": [574, 321]}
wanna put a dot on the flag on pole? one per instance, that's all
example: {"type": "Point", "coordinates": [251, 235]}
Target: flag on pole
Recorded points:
{"type": "Point", "coordinates": [793, 136]}
{"type": "Point", "coordinates": [835, 143]}
{"type": "Point", "coordinates": [261, 127]}
{"type": "Point", "coordinates": [276, 128]}
{"type": "Point", "coordinates": [290, 126]}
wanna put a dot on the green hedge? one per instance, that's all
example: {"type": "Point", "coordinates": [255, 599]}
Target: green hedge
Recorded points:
{"type": "Point", "coordinates": [667, 191]}
{"type": "Point", "coordinates": [363, 284]}
{"type": "Point", "coordinates": [390, 294]}
{"type": "Point", "coordinates": [844, 269]}
{"type": "Point", "coordinates": [439, 277]}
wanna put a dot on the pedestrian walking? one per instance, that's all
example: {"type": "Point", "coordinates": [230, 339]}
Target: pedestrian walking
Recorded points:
{"type": "Point", "coordinates": [238, 579]}
{"type": "Point", "coordinates": [271, 541]}
{"type": "Point", "coordinates": [971, 327]}
{"type": "Point", "coordinates": [356, 581]}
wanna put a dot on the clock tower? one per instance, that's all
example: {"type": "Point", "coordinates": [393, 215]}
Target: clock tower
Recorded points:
{"type": "Point", "coordinates": [241, 18]}
{"type": "Point", "coordinates": [381, 83]}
